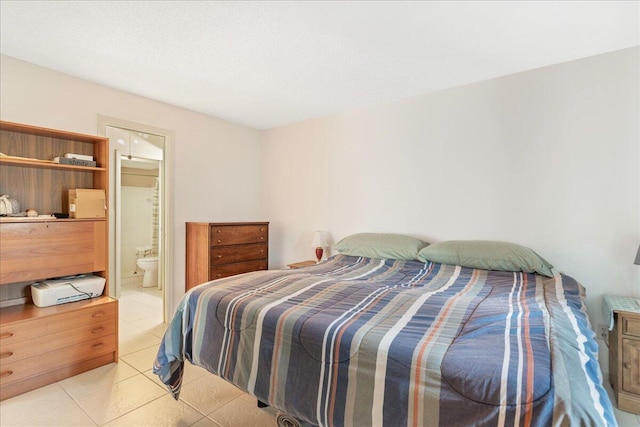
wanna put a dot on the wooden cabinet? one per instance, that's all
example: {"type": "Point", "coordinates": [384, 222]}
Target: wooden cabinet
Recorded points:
{"type": "Point", "coordinates": [39, 346]}
{"type": "Point", "coordinates": [216, 250]}
{"type": "Point", "coordinates": [624, 360]}
{"type": "Point", "coordinates": [32, 251]}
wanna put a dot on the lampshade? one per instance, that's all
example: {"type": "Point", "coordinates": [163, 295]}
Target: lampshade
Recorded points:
{"type": "Point", "coordinates": [319, 240]}
{"type": "Point", "coordinates": [637, 261]}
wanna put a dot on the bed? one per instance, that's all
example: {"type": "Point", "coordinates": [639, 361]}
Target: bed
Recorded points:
{"type": "Point", "coordinates": [383, 341]}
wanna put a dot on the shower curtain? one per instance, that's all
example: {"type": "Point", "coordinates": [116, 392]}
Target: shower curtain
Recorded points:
{"type": "Point", "coordinates": [155, 219]}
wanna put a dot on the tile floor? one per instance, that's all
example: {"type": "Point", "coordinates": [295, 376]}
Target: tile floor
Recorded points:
{"type": "Point", "coordinates": [128, 394]}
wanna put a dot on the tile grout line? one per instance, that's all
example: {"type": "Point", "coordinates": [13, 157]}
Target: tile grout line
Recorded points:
{"type": "Point", "coordinates": [121, 360]}
{"type": "Point", "coordinates": [80, 406]}
{"type": "Point", "coordinates": [75, 402]}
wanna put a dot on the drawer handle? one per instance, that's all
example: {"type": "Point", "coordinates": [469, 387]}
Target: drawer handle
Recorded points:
{"type": "Point", "coordinates": [218, 231]}
{"type": "Point", "coordinates": [261, 238]}
{"type": "Point", "coordinates": [219, 256]}
{"type": "Point", "coordinates": [219, 241]}
{"type": "Point", "coordinates": [262, 229]}
{"type": "Point", "coordinates": [96, 330]}
{"type": "Point", "coordinates": [5, 374]}
{"type": "Point", "coordinates": [6, 335]}
{"type": "Point", "coordinates": [261, 251]}
{"type": "Point", "coordinates": [218, 275]}
{"type": "Point", "coordinates": [97, 346]}
{"type": "Point", "coordinates": [6, 354]}
{"type": "Point", "coordinates": [627, 365]}
{"type": "Point", "coordinates": [98, 314]}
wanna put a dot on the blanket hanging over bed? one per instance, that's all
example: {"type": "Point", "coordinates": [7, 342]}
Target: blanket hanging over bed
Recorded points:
{"type": "Point", "coordinates": [367, 342]}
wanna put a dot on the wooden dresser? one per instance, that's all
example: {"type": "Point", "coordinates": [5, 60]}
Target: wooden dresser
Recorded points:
{"type": "Point", "coordinates": [624, 360]}
{"type": "Point", "coordinates": [42, 345]}
{"type": "Point", "coordinates": [216, 250]}
{"type": "Point", "coordinates": [39, 346]}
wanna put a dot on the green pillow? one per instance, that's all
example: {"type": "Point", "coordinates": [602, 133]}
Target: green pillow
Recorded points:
{"type": "Point", "coordinates": [487, 255]}
{"type": "Point", "coordinates": [381, 246]}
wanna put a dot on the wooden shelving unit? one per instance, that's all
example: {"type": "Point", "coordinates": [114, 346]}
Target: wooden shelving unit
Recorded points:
{"type": "Point", "coordinates": [39, 346]}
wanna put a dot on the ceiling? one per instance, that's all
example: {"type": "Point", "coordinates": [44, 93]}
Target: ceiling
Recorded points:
{"type": "Point", "coordinates": [266, 64]}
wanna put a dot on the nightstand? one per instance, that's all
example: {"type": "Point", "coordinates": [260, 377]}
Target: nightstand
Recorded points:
{"type": "Point", "coordinates": [301, 264]}
{"type": "Point", "coordinates": [624, 350]}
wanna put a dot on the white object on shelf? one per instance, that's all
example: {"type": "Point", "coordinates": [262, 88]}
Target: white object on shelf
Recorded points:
{"type": "Point", "coordinates": [78, 156]}
{"type": "Point", "coordinates": [68, 289]}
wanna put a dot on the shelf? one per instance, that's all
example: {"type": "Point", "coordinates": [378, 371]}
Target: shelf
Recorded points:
{"type": "Point", "coordinates": [23, 219]}
{"type": "Point", "coordinates": [16, 313]}
{"type": "Point", "coordinates": [49, 133]}
{"type": "Point", "coordinates": [47, 164]}
{"type": "Point", "coordinates": [40, 184]}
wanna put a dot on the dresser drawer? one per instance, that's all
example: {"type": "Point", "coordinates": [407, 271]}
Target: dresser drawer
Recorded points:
{"type": "Point", "coordinates": [230, 254]}
{"type": "Point", "coordinates": [237, 268]}
{"type": "Point", "coordinates": [12, 332]}
{"type": "Point", "coordinates": [631, 325]}
{"type": "Point", "coordinates": [19, 350]}
{"type": "Point", "coordinates": [16, 371]}
{"type": "Point", "coordinates": [238, 234]}
{"type": "Point", "coordinates": [221, 249]}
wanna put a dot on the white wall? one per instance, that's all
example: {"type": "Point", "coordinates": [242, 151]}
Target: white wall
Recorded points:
{"type": "Point", "coordinates": [216, 164]}
{"type": "Point", "coordinates": [546, 158]}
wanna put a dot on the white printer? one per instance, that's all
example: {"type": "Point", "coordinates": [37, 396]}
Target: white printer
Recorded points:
{"type": "Point", "coordinates": [67, 289]}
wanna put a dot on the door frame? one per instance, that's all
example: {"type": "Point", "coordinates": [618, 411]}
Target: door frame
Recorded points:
{"type": "Point", "coordinates": [166, 267]}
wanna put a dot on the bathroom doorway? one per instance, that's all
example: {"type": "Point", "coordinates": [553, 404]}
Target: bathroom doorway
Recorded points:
{"type": "Point", "coordinates": [139, 215]}
{"type": "Point", "coordinates": [139, 197]}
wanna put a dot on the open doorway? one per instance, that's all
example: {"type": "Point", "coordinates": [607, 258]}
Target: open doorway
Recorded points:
{"type": "Point", "coordinates": [139, 197]}
{"type": "Point", "coordinates": [139, 215]}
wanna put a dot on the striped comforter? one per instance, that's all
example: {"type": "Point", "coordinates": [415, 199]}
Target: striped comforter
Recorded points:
{"type": "Point", "coordinates": [368, 342]}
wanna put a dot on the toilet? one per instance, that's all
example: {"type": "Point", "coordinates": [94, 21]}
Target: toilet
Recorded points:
{"type": "Point", "coordinates": [150, 266]}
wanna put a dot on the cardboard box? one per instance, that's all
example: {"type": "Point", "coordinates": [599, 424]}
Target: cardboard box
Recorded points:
{"type": "Point", "coordinates": [87, 203]}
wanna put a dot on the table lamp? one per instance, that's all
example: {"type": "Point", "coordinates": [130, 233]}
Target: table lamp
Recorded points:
{"type": "Point", "coordinates": [319, 242]}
